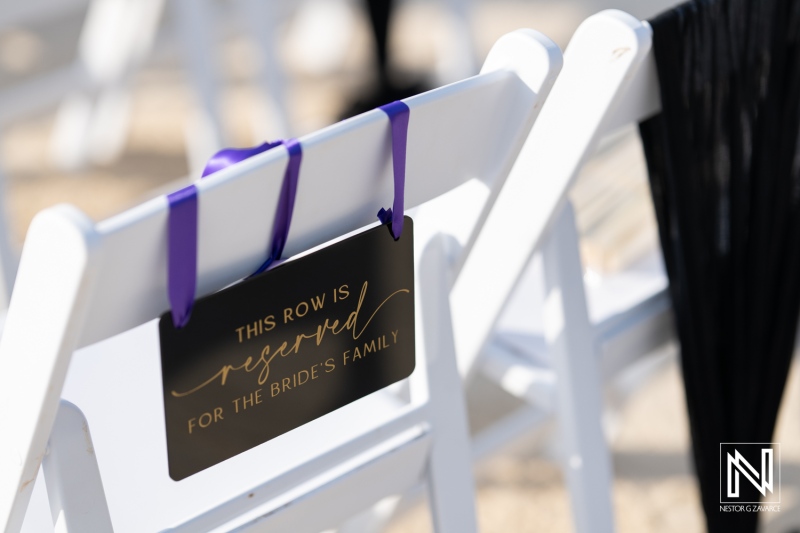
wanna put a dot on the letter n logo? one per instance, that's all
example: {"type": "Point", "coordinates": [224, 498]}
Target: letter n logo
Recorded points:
{"type": "Point", "coordinates": [735, 470]}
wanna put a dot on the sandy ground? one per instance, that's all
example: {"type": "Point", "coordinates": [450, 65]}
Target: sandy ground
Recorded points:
{"type": "Point", "coordinates": [519, 489]}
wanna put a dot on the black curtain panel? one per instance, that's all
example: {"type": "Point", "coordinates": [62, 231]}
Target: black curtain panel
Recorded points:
{"type": "Point", "coordinates": [390, 85]}
{"type": "Point", "coordinates": [380, 12]}
{"type": "Point", "coordinates": [724, 167]}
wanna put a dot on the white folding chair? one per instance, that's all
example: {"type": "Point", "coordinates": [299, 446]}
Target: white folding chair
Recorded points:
{"type": "Point", "coordinates": [608, 80]}
{"type": "Point", "coordinates": [91, 90]}
{"type": "Point", "coordinates": [92, 120]}
{"type": "Point", "coordinates": [590, 334]}
{"type": "Point", "coordinates": [100, 287]}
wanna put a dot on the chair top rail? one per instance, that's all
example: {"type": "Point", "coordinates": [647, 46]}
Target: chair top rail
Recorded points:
{"type": "Point", "coordinates": [469, 129]}
{"type": "Point", "coordinates": [641, 99]}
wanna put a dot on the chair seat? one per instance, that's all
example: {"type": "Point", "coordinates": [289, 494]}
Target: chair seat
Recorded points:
{"type": "Point", "coordinates": [607, 296]}
{"type": "Point", "coordinates": [129, 437]}
{"type": "Point", "coordinates": [628, 307]}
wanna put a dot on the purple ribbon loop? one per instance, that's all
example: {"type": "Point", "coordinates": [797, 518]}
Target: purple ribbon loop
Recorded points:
{"type": "Point", "coordinates": [182, 253]}
{"type": "Point", "coordinates": [398, 113]}
{"type": "Point", "coordinates": [229, 156]}
{"type": "Point", "coordinates": [182, 225]}
{"type": "Point", "coordinates": [283, 215]}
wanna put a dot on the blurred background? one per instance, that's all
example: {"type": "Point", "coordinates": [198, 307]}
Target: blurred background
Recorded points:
{"type": "Point", "coordinates": [106, 103]}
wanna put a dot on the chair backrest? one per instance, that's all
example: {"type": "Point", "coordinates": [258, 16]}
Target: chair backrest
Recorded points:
{"type": "Point", "coordinates": [81, 283]}
{"type": "Point", "coordinates": [607, 81]}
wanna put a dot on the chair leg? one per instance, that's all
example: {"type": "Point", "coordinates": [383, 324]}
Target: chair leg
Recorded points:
{"type": "Point", "coordinates": [452, 487]}
{"type": "Point", "coordinates": [74, 487]}
{"type": "Point", "coordinates": [37, 516]}
{"type": "Point", "coordinates": [569, 334]}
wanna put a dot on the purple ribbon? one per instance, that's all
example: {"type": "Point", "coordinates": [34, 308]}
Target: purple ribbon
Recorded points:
{"type": "Point", "coordinates": [283, 216]}
{"type": "Point", "coordinates": [182, 253]}
{"type": "Point", "coordinates": [182, 230]}
{"type": "Point", "coordinates": [182, 225]}
{"type": "Point", "coordinates": [229, 156]}
{"type": "Point", "coordinates": [398, 117]}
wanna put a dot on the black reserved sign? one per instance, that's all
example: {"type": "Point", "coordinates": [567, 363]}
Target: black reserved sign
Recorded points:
{"type": "Point", "coordinates": [288, 346]}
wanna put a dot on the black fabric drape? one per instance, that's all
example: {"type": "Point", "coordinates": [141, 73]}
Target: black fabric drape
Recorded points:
{"type": "Point", "coordinates": [724, 167]}
{"type": "Point", "coordinates": [380, 12]}
{"type": "Point", "coordinates": [389, 85]}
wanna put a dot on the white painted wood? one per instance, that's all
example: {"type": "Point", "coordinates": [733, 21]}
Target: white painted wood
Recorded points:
{"type": "Point", "coordinates": [374, 518]}
{"type": "Point", "coordinates": [77, 501]}
{"type": "Point", "coordinates": [592, 97]}
{"type": "Point", "coordinates": [602, 56]}
{"type": "Point", "coordinates": [470, 129]}
{"type": "Point", "coordinates": [514, 425]}
{"type": "Point", "coordinates": [81, 283]}
{"type": "Point", "coordinates": [389, 474]}
{"type": "Point", "coordinates": [640, 330]}
{"type": "Point", "coordinates": [641, 97]}
{"type": "Point", "coordinates": [450, 467]}
{"type": "Point", "coordinates": [37, 519]}
{"type": "Point", "coordinates": [608, 81]}
{"type": "Point", "coordinates": [44, 320]}
{"type": "Point", "coordinates": [579, 409]}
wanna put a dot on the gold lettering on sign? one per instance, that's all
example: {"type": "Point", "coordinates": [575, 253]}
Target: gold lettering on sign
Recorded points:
{"type": "Point", "coordinates": [299, 378]}
{"type": "Point", "coordinates": [249, 400]}
{"type": "Point", "coordinates": [359, 352]}
{"type": "Point", "coordinates": [206, 419]}
{"type": "Point", "coordinates": [318, 302]}
{"type": "Point", "coordinates": [341, 293]}
{"type": "Point", "coordinates": [258, 327]}
{"type": "Point", "coordinates": [302, 308]}
{"type": "Point", "coordinates": [262, 363]}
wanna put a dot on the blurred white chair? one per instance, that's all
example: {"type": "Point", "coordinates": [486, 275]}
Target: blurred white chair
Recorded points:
{"type": "Point", "coordinates": [24, 98]}
{"type": "Point", "coordinates": [95, 417]}
{"type": "Point", "coordinates": [47, 88]}
{"type": "Point", "coordinates": [118, 35]}
{"type": "Point", "coordinates": [197, 22]}
{"type": "Point", "coordinates": [92, 89]}
{"type": "Point", "coordinates": [114, 36]}
{"type": "Point", "coordinates": [608, 80]}
{"type": "Point", "coordinates": [261, 22]}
